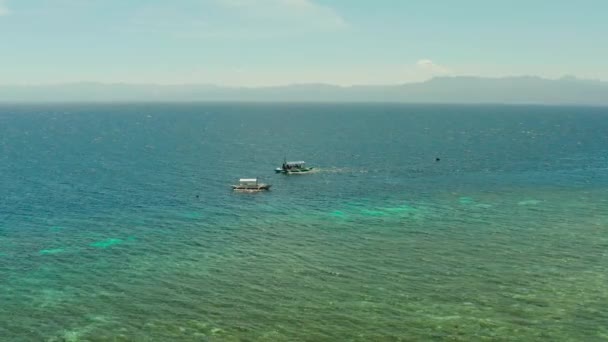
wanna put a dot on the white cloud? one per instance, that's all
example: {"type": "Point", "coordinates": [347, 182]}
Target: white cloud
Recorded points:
{"type": "Point", "coordinates": [432, 67]}
{"type": "Point", "coordinates": [238, 19]}
{"type": "Point", "coordinates": [3, 9]}
{"type": "Point", "coordinates": [289, 11]}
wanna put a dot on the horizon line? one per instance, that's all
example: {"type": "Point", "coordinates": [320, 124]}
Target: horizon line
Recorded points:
{"type": "Point", "coordinates": [217, 85]}
{"type": "Point", "coordinates": [301, 102]}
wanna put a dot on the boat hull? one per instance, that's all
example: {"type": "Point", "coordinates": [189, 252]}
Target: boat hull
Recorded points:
{"type": "Point", "coordinates": [293, 171]}
{"type": "Point", "coordinates": [261, 187]}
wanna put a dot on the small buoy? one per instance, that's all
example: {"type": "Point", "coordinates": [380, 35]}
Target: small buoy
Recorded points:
{"type": "Point", "coordinates": [437, 159]}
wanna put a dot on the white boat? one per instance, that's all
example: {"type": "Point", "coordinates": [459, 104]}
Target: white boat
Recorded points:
{"type": "Point", "coordinates": [293, 167]}
{"type": "Point", "coordinates": [250, 184]}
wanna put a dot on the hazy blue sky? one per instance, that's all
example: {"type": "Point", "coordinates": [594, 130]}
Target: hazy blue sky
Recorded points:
{"type": "Point", "coordinates": [264, 42]}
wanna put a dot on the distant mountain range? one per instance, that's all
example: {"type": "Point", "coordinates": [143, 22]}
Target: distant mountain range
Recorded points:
{"type": "Point", "coordinates": [460, 89]}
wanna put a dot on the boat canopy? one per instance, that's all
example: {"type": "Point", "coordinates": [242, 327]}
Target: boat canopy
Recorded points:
{"type": "Point", "coordinates": [248, 180]}
{"type": "Point", "coordinates": [292, 163]}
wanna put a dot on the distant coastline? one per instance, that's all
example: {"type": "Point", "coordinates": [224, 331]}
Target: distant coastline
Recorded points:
{"type": "Point", "coordinates": [441, 90]}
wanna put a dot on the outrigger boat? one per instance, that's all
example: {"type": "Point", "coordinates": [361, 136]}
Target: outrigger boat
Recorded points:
{"type": "Point", "coordinates": [250, 184]}
{"type": "Point", "coordinates": [293, 167]}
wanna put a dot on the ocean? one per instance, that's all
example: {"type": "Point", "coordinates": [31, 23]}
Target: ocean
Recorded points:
{"type": "Point", "coordinates": [420, 223]}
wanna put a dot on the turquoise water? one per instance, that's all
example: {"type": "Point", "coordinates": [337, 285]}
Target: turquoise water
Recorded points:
{"type": "Point", "coordinates": [103, 237]}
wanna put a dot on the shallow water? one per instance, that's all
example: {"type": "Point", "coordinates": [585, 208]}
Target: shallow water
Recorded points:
{"type": "Point", "coordinates": [102, 236]}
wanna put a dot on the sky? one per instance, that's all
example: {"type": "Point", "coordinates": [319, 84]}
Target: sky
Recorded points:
{"type": "Point", "coordinates": [277, 42]}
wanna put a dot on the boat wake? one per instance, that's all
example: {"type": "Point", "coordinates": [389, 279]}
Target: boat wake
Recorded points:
{"type": "Point", "coordinates": [339, 170]}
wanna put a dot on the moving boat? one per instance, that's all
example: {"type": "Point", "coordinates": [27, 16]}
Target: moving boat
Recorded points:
{"type": "Point", "coordinates": [250, 184]}
{"type": "Point", "coordinates": [293, 167]}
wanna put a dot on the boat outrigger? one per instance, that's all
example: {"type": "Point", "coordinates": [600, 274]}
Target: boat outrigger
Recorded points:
{"type": "Point", "coordinates": [293, 167]}
{"type": "Point", "coordinates": [250, 184]}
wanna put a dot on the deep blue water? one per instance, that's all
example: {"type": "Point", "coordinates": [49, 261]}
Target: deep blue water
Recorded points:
{"type": "Point", "coordinates": [103, 237]}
